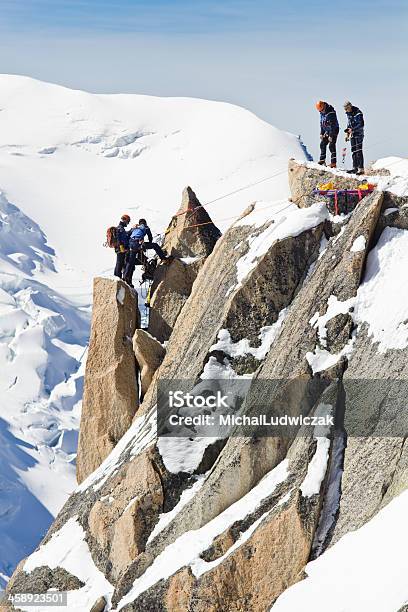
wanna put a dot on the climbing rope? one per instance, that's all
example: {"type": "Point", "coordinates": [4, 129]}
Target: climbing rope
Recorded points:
{"type": "Point", "coordinates": [236, 216]}
{"type": "Point", "coordinates": [161, 237]}
{"type": "Point", "coordinates": [227, 195]}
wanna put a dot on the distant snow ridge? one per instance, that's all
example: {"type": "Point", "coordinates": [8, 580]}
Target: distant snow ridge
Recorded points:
{"type": "Point", "coordinates": [43, 338]}
{"type": "Point", "coordinates": [22, 243]}
{"type": "Point", "coordinates": [88, 158]}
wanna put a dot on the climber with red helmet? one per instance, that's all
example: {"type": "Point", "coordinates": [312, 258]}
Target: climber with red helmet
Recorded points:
{"type": "Point", "coordinates": [329, 130]}
{"type": "Point", "coordinates": [122, 245]}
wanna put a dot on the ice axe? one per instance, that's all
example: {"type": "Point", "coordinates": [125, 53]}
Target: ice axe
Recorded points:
{"type": "Point", "coordinates": [344, 153]}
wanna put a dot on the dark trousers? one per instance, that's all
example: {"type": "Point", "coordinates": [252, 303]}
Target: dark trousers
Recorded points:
{"type": "Point", "coordinates": [134, 257]}
{"type": "Point", "coordinates": [357, 150]}
{"type": "Point", "coordinates": [121, 259]}
{"type": "Point", "coordinates": [332, 147]}
{"type": "Point", "coordinates": [156, 248]}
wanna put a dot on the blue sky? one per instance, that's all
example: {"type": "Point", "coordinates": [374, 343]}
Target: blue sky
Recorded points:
{"type": "Point", "coordinates": [272, 57]}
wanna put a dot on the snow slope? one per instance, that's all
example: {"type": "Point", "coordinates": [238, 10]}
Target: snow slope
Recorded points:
{"type": "Point", "coordinates": [366, 570]}
{"type": "Point", "coordinates": [70, 164]}
{"type": "Point", "coordinates": [43, 336]}
{"type": "Point", "coordinates": [76, 161]}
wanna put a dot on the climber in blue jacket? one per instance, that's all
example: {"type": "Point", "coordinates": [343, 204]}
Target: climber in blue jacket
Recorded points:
{"type": "Point", "coordinates": [137, 244]}
{"type": "Point", "coordinates": [355, 133]}
{"type": "Point", "coordinates": [329, 130]}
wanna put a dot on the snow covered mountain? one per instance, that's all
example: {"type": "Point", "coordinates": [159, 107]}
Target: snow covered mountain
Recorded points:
{"type": "Point", "coordinates": [70, 164]}
{"type": "Point", "coordinates": [76, 161]}
{"type": "Point", "coordinates": [328, 306]}
{"type": "Point", "coordinates": [294, 520]}
{"type": "Point", "coordinates": [43, 336]}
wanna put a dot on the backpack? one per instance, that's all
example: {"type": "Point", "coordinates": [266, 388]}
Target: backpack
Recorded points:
{"type": "Point", "coordinates": [112, 237]}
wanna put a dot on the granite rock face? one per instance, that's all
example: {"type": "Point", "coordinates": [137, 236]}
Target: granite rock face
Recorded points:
{"type": "Point", "coordinates": [190, 523]}
{"type": "Point", "coordinates": [170, 290]}
{"type": "Point", "coordinates": [149, 355]}
{"type": "Point", "coordinates": [191, 232]}
{"type": "Point", "coordinates": [190, 237]}
{"type": "Point", "coordinates": [111, 391]}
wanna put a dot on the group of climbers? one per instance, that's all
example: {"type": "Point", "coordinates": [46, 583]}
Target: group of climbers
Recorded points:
{"type": "Point", "coordinates": [329, 131]}
{"type": "Point", "coordinates": [130, 246]}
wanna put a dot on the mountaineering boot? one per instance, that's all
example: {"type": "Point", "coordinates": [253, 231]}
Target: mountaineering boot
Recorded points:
{"type": "Point", "coordinates": [333, 165]}
{"type": "Point", "coordinates": [321, 162]}
{"type": "Point", "coordinates": [360, 171]}
{"type": "Point", "coordinates": [352, 171]}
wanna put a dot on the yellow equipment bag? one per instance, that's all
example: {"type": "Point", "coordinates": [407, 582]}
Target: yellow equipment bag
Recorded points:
{"type": "Point", "coordinates": [325, 186]}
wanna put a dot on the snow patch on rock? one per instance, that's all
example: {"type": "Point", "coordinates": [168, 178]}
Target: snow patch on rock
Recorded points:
{"type": "Point", "coordinates": [284, 220]}
{"type": "Point", "coordinates": [358, 245]}
{"type": "Point", "coordinates": [68, 549]}
{"type": "Point", "coordinates": [334, 307]}
{"type": "Point", "coordinates": [366, 570]}
{"type": "Point", "coordinates": [120, 296]}
{"type": "Point", "coordinates": [167, 517]}
{"type": "Point", "coordinates": [321, 359]}
{"type": "Point", "coordinates": [382, 299]}
{"type": "Point", "coordinates": [318, 465]}
{"type": "Point", "coordinates": [241, 348]}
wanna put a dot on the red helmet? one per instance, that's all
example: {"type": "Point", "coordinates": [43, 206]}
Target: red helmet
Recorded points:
{"type": "Point", "coordinates": [320, 105]}
{"type": "Point", "coordinates": [125, 218]}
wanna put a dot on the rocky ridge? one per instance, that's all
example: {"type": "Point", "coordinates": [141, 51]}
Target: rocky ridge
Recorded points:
{"type": "Point", "coordinates": [111, 390]}
{"type": "Point", "coordinates": [190, 237]}
{"type": "Point", "coordinates": [176, 524]}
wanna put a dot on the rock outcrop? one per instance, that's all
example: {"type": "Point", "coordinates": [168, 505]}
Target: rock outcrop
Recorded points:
{"type": "Point", "coordinates": [190, 238]}
{"type": "Point", "coordinates": [226, 294]}
{"type": "Point", "coordinates": [244, 462]}
{"type": "Point", "coordinates": [256, 550]}
{"type": "Point", "coordinates": [303, 179]}
{"type": "Point", "coordinates": [229, 524]}
{"type": "Point", "coordinates": [191, 232]}
{"type": "Point", "coordinates": [111, 392]}
{"type": "Point", "coordinates": [170, 290]}
{"type": "Point", "coordinates": [149, 355]}
{"type": "Point", "coordinates": [121, 524]}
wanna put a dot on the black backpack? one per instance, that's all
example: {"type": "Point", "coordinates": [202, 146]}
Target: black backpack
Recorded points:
{"type": "Point", "coordinates": [149, 267]}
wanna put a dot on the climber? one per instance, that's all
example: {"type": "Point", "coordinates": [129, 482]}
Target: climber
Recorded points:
{"type": "Point", "coordinates": [329, 130]}
{"type": "Point", "coordinates": [355, 133]}
{"type": "Point", "coordinates": [137, 245]}
{"type": "Point", "coordinates": [122, 245]}
{"type": "Point", "coordinates": [143, 230]}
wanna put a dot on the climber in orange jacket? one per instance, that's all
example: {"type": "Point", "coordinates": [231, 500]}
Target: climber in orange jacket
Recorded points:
{"type": "Point", "coordinates": [329, 130]}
